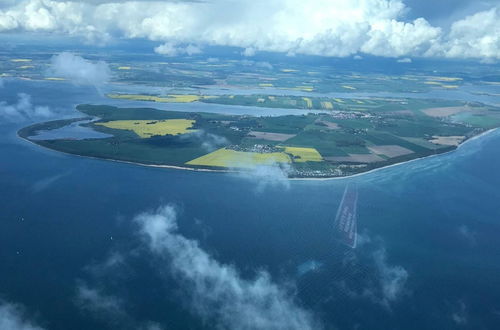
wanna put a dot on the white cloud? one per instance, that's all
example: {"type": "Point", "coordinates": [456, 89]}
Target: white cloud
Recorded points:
{"type": "Point", "coordinates": [317, 27]}
{"type": "Point", "coordinates": [395, 38]}
{"type": "Point", "coordinates": [79, 70]}
{"type": "Point", "coordinates": [467, 234]}
{"type": "Point", "coordinates": [208, 141]}
{"type": "Point", "coordinates": [386, 286]}
{"type": "Point", "coordinates": [476, 36]}
{"type": "Point", "coordinates": [171, 49]}
{"type": "Point", "coordinates": [23, 110]}
{"type": "Point", "coordinates": [219, 292]}
{"type": "Point", "coordinates": [264, 65]}
{"type": "Point", "coordinates": [98, 303]}
{"type": "Point", "coordinates": [459, 316]}
{"type": "Point", "coordinates": [392, 278]}
{"type": "Point", "coordinates": [45, 183]}
{"type": "Point", "coordinates": [272, 175]}
{"type": "Point", "coordinates": [12, 317]}
{"type": "Point", "coordinates": [405, 60]}
{"type": "Point", "coordinates": [249, 52]}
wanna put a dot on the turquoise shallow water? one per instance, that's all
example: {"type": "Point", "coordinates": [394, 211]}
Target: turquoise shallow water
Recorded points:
{"type": "Point", "coordinates": [428, 254]}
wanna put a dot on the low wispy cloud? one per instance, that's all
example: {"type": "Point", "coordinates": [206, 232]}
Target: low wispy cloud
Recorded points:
{"type": "Point", "coordinates": [47, 182]}
{"type": "Point", "coordinates": [261, 64]}
{"type": "Point", "coordinates": [264, 65]}
{"type": "Point", "coordinates": [459, 316]}
{"type": "Point", "coordinates": [218, 292]}
{"type": "Point", "coordinates": [405, 60]}
{"type": "Point", "coordinates": [23, 110]}
{"type": "Point", "coordinates": [102, 305]}
{"type": "Point", "coordinates": [209, 141]}
{"type": "Point", "coordinates": [249, 52]}
{"type": "Point", "coordinates": [172, 49]}
{"type": "Point", "coordinates": [79, 70]}
{"type": "Point", "coordinates": [272, 175]}
{"type": "Point", "coordinates": [387, 283]}
{"type": "Point", "coordinates": [467, 234]}
{"type": "Point", "coordinates": [13, 317]}
{"type": "Point", "coordinates": [392, 278]}
{"type": "Point", "coordinates": [100, 296]}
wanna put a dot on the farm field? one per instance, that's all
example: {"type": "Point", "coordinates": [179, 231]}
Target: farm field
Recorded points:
{"type": "Point", "coordinates": [304, 154]}
{"type": "Point", "coordinates": [148, 128]}
{"type": "Point", "coordinates": [228, 158]}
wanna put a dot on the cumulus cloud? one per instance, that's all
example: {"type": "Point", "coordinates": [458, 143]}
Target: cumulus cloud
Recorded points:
{"type": "Point", "coordinates": [476, 36]}
{"type": "Point", "coordinates": [219, 292]}
{"type": "Point", "coordinates": [405, 60]}
{"type": "Point", "coordinates": [249, 52]}
{"type": "Point", "coordinates": [79, 70]}
{"type": "Point", "coordinates": [171, 49]}
{"type": "Point", "coordinates": [23, 110]}
{"type": "Point", "coordinates": [13, 317]}
{"type": "Point", "coordinates": [315, 27]}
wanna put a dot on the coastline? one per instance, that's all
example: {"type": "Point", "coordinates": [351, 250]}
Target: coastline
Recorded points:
{"type": "Point", "coordinates": [175, 167]}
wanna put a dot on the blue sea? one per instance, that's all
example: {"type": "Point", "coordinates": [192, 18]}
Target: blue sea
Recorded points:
{"type": "Point", "coordinates": [73, 254]}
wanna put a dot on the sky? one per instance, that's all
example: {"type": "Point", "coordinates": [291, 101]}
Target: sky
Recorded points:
{"type": "Point", "coordinates": [457, 29]}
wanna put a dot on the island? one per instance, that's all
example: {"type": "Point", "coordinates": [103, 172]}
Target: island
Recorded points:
{"type": "Point", "coordinates": [318, 144]}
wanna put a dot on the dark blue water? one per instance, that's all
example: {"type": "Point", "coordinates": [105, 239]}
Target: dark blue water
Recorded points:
{"type": "Point", "coordinates": [429, 254]}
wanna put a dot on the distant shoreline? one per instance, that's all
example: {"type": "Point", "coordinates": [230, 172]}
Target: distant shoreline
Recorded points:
{"type": "Point", "coordinates": [241, 171]}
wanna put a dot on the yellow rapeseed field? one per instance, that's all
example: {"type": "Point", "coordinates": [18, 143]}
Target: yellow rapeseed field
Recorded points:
{"type": "Point", "coordinates": [148, 128]}
{"type": "Point", "coordinates": [304, 154]}
{"type": "Point", "coordinates": [239, 159]}
{"type": "Point", "coordinates": [327, 105]}
{"type": "Point", "coordinates": [306, 88]}
{"type": "Point", "coordinates": [446, 79]}
{"type": "Point", "coordinates": [308, 101]}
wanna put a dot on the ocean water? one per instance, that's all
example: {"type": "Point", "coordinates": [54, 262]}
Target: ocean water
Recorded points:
{"type": "Point", "coordinates": [428, 253]}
